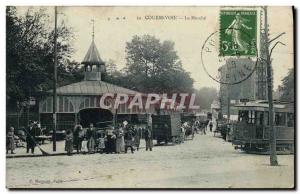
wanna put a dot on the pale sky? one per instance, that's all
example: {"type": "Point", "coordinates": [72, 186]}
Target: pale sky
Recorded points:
{"type": "Point", "coordinates": [111, 34]}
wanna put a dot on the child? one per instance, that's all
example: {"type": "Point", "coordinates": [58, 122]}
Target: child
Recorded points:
{"type": "Point", "coordinates": [10, 141]}
{"type": "Point", "coordinates": [84, 148]}
{"type": "Point", "coordinates": [69, 143]}
{"type": "Point", "coordinates": [101, 145]}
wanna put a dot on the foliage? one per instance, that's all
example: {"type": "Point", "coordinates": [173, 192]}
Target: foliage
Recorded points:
{"type": "Point", "coordinates": [287, 88]}
{"type": "Point", "coordinates": [154, 66]}
{"type": "Point", "coordinates": [30, 53]}
{"type": "Point", "coordinates": [205, 97]}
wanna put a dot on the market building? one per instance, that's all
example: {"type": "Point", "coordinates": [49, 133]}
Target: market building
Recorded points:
{"type": "Point", "coordinates": [80, 102]}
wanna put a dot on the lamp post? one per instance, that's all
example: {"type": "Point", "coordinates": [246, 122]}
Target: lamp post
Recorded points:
{"type": "Point", "coordinates": [55, 81]}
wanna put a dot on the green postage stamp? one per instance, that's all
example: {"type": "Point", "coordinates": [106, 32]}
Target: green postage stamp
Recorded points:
{"type": "Point", "coordinates": [238, 33]}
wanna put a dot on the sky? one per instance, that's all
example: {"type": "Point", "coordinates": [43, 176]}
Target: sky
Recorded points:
{"type": "Point", "coordinates": [114, 26]}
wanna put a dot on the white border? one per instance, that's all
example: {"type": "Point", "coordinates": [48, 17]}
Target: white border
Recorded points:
{"type": "Point", "coordinates": [4, 3]}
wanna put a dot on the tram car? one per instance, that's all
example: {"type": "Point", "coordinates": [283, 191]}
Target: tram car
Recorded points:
{"type": "Point", "coordinates": [166, 128]}
{"type": "Point", "coordinates": [251, 131]}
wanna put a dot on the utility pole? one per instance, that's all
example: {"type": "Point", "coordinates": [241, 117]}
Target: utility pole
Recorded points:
{"type": "Point", "coordinates": [228, 102]}
{"type": "Point", "coordinates": [273, 154]}
{"type": "Point", "coordinates": [55, 81]}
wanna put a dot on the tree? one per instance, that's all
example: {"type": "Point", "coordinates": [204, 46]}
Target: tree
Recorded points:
{"type": "Point", "coordinates": [154, 66]}
{"type": "Point", "coordinates": [205, 97]}
{"type": "Point", "coordinates": [30, 53]}
{"type": "Point", "coordinates": [70, 72]}
{"type": "Point", "coordinates": [287, 89]}
{"type": "Point", "coordinates": [113, 75]}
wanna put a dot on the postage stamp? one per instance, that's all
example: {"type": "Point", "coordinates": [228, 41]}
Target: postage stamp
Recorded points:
{"type": "Point", "coordinates": [238, 32]}
{"type": "Point", "coordinates": [149, 97]}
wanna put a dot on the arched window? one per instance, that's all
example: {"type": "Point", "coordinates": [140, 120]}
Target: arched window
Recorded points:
{"type": "Point", "coordinates": [88, 68]}
{"type": "Point", "coordinates": [65, 104]}
{"type": "Point", "coordinates": [94, 68]}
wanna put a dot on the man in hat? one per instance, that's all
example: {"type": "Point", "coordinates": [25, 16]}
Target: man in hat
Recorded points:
{"type": "Point", "coordinates": [148, 138]}
{"type": "Point", "coordinates": [30, 137]}
{"type": "Point", "coordinates": [129, 138]}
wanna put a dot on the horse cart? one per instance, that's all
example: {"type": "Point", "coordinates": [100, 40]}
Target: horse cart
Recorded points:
{"type": "Point", "coordinates": [166, 128]}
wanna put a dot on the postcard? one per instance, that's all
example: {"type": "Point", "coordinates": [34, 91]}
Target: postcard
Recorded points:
{"type": "Point", "coordinates": [141, 97]}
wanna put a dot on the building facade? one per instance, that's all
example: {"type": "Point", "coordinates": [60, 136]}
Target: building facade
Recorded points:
{"type": "Point", "coordinates": [80, 102]}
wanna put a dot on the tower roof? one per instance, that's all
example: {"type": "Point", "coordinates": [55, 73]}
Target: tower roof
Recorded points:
{"type": "Point", "coordinates": [92, 57]}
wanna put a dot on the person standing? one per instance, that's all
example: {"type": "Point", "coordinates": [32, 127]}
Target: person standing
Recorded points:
{"type": "Point", "coordinates": [110, 140]}
{"type": "Point", "coordinates": [78, 137]}
{"type": "Point", "coordinates": [210, 126]}
{"type": "Point", "coordinates": [129, 137]}
{"type": "Point", "coordinates": [101, 142]}
{"type": "Point", "coordinates": [30, 137]}
{"type": "Point", "coordinates": [10, 141]}
{"type": "Point", "coordinates": [148, 138]}
{"type": "Point", "coordinates": [137, 138]}
{"type": "Point", "coordinates": [91, 135]}
{"type": "Point", "coordinates": [84, 148]}
{"type": "Point", "coordinates": [119, 140]}
{"type": "Point", "coordinates": [205, 127]}
{"type": "Point", "coordinates": [182, 134]}
{"type": "Point", "coordinates": [69, 143]}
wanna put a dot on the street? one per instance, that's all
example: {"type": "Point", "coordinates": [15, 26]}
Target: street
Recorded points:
{"type": "Point", "coordinates": [205, 162]}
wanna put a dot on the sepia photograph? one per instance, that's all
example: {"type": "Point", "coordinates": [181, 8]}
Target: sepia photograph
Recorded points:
{"type": "Point", "coordinates": [150, 97]}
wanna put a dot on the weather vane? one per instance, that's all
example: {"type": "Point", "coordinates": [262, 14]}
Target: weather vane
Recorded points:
{"type": "Point", "coordinates": [93, 34]}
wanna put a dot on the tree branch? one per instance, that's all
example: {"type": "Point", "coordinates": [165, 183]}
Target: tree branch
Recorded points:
{"type": "Point", "coordinates": [276, 37]}
{"type": "Point", "coordinates": [278, 42]}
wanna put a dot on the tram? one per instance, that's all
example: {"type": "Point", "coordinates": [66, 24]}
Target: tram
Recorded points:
{"type": "Point", "coordinates": [251, 131]}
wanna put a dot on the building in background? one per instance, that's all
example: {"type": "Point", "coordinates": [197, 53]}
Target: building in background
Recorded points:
{"type": "Point", "coordinates": [244, 90]}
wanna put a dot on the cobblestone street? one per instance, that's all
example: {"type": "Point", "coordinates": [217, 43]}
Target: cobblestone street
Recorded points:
{"type": "Point", "coordinates": [205, 162]}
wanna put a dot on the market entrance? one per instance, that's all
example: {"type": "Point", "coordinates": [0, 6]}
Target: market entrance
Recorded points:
{"type": "Point", "coordinates": [99, 117]}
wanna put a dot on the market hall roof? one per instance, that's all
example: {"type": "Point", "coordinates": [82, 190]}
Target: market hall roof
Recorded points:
{"type": "Point", "coordinates": [92, 57]}
{"type": "Point", "coordinates": [86, 88]}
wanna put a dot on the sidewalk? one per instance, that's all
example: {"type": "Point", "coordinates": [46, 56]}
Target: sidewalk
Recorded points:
{"type": "Point", "coordinates": [47, 147]}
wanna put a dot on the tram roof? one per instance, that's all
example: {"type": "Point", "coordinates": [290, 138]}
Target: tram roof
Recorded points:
{"type": "Point", "coordinates": [85, 88]}
{"type": "Point", "coordinates": [263, 105]}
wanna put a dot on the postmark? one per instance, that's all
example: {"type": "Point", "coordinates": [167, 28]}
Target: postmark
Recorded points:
{"type": "Point", "coordinates": [229, 55]}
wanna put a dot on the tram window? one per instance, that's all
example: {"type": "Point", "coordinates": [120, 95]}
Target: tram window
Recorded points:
{"type": "Point", "coordinates": [259, 118]}
{"type": "Point", "coordinates": [251, 117]}
{"type": "Point", "coordinates": [280, 118]}
{"type": "Point", "coordinates": [290, 119]}
{"type": "Point", "coordinates": [243, 116]}
{"type": "Point", "coordinates": [267, 117]}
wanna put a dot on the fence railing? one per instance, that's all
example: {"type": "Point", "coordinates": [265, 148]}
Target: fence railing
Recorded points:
{"type": "Point", "coordinates": [20, 120]}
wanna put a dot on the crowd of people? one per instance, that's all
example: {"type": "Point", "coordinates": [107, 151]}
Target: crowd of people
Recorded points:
{"type": "Point", "coordinates": [118, 139]}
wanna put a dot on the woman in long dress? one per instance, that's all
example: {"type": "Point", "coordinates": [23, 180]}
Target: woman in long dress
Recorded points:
{"type": "Point", "coordinates": [78, 137]}
{"type": "Point", "coordinates": [69, 142]}
{"type": "Point", "coordinates": [90, 134]}
{"type": "Point", "coordinates": [120, 140]}
{"type": "Point", "coordinates": [10, 141]}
